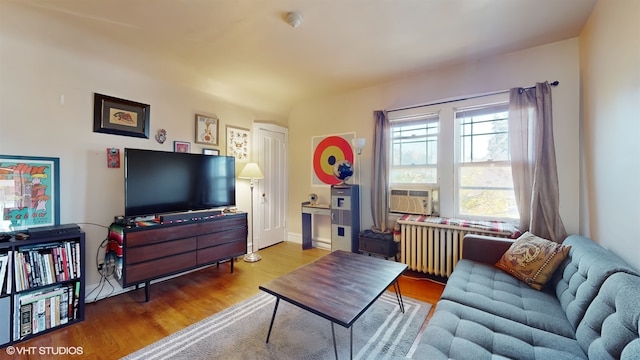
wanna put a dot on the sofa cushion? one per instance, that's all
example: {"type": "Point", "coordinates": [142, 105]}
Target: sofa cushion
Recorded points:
{"type": "Point", "coordinates": [579, 278]}
{"type": "Point", "coordinates": [612, 320]}
{"type": "Point", "coordinates": [490, 289]}
{"type": "Point", "coordinates": [457, 331]}
{"type": "Point", "coordinates": [533, 259]}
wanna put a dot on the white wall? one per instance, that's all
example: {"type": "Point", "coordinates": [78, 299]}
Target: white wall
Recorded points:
{"type": "Point", "coordinates": [610, 70]}
{"type": "Point", "coordinates": [43, 61]}
{"type": "Point", "coordinates": [353, 112]}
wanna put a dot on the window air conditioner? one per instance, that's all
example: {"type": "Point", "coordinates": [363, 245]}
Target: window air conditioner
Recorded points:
{"type": "Point", "coordinates": [414, 201]}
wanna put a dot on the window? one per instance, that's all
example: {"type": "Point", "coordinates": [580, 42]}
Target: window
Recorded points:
{"type": "Point", "coordinates": [460, 147]}
{"type": "Point", "coordinates": [485, 185]}
{"type": "Point", "coordinates": [414, 150]}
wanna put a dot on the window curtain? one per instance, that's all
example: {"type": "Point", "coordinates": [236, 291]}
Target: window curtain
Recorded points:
{"type": "Point", "coordinates": [380, 181]}
{"type": "Point", "coordinates": [533, 162]}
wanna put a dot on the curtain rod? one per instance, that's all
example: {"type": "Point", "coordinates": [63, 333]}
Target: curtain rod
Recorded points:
{"type": "Point", "coordinates": [554, 83]}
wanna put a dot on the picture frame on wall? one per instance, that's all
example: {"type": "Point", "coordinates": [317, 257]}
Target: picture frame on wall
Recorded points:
{"type": "Point", "coordinates": [116, 116]}
{"type": "Point", "coordinates": [238, 140]}
{"type": "Point", "coordinates": [182, 146]}
{"type": "Point", "coordinates": [29, 192]}
{"type": "Point", "coordinates": [211, 151]}
{"type": "Point", "coordinates": [206, 130]}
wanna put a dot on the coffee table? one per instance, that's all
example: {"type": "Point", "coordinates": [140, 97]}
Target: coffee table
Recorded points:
{"type": "Point", "coordinates": [339, 287]}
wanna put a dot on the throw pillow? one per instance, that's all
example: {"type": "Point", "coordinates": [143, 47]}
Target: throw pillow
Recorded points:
{"type": "Point", "coordinates": [533, 259]}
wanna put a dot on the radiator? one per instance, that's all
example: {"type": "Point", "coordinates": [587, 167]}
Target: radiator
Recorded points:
{"type": "Point", "coordinates": [433, 248]}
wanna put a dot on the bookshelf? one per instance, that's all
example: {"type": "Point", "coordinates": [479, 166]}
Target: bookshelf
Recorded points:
{"type": "Point", "coordinates": [41, 286]}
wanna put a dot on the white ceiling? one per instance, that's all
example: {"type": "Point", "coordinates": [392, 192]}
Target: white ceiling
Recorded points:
{"type": "Point", "coordinates": [245, 52]}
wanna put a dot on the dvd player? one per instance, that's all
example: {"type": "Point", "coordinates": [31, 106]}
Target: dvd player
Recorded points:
{"type": "Point", "coordinates": [44, 231]}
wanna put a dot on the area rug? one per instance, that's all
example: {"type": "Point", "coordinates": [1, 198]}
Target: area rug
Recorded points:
{"type": "Point", "coordinates": [239, 332]}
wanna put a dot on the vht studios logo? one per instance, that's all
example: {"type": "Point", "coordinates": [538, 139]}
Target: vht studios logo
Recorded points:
{"type": "Point", "coordinates": [44, 350]}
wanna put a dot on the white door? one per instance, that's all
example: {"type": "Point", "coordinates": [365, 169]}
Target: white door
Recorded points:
{"type": "Point", "coordinates": [271, 193]}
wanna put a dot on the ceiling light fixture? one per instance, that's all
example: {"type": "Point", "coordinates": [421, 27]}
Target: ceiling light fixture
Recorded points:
{"type": "Point", "coordinates": [294, 19]}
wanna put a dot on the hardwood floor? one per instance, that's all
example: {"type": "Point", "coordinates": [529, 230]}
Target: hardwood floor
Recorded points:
{"type": "Point", "coordinates": [119, 325]}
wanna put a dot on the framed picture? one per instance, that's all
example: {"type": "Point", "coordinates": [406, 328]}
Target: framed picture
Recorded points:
{"type": "Point", "coordinates": [326, 152]}
{"type": "Point", "coordinates": [211, 151]}
{"type": "Point", "coordinates": [206, 130]}
{"type": "Point", "coordinates": [29, 192]}
{"type": "Point", "coordinates": [120, 117]}
{"type": "Point", "coordinates": [182, 146]}
{"type": "Point", "coordinates": [238, 143]}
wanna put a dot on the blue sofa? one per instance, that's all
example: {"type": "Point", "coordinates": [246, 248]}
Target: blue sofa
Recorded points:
{"type": "Point", "coordinates": [590, 309]}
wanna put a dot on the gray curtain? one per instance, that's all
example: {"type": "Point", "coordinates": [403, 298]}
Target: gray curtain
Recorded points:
{"type": "Point", "coordinates": [533, 162]}
{"type": "Point", "coordinates": [380, 181]}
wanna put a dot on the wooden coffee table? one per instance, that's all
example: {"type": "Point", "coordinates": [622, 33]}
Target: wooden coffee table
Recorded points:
{"type": "Point", "coordinates": [339, 287]}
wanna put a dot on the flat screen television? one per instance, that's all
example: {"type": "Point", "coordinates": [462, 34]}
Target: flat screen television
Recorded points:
{"type": "Point", "coordinates": [158, 182]}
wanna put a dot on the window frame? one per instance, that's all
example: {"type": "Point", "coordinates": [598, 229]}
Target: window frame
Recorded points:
{"type": "Point", "coordinates": [449, 150]}
{"type": "Point", "coordinates": [406, 121]}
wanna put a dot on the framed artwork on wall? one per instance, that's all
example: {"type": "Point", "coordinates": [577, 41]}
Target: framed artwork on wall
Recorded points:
{"type": "Point", "coordinates": [182, 146]}
{"type": "Point", "coordinates": [120, 117]}
{"type": "Point", "coordinates": [238, 143]}
{"type": "Point", "coordinates": [211, 151]}
{"type": "Point", "coordinates": [29, 192]}
{"type": "Point", "coordinates": [206, 130]}
{"type": "Point", "coordinates": [327, 152]}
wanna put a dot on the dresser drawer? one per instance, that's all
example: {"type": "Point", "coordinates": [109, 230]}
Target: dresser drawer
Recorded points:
{"type": "Point", "coordinates": [222, 224]}
{"type": "Point", "coordinates": [222, 237]}
{"type": "Point", "coordinates": [221, 252]}
{"type": "Point", "coordinates": [140, 272]}
{"type": "Point", "coordinates": [159, 250]}
{"type": "Point", "coordinates": [161, 234]}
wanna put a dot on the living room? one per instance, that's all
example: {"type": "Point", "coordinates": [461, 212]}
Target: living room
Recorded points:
{"type": "Point", "coordinates": [50, 69]}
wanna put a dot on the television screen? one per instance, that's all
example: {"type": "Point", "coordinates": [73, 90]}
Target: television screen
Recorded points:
{"type": "Point", "coordinates": [157, 182]}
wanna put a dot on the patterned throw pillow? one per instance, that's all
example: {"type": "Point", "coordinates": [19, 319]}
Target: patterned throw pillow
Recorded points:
{"type": "Point", "coordinates": [533, 259]}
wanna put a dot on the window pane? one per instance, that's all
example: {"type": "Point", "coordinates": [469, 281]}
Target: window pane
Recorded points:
{"type": "Point", "coordinates": [488, 203]}
{"type": "Point", "coordinates": [485, 184]}
{"type": "Point", "coordinates": [486, 176]}
{"type": "Point", "coordinates": [414, 151]}
{"type": "Point", "coordinates": [484, 137]}
{"type": "Point", "coordinates": [407, 175]}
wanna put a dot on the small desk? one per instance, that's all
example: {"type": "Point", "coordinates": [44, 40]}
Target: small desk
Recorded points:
{"type": "Point", "coordinates": [308, 211]}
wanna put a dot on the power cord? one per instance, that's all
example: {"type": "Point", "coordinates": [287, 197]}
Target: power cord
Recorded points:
{"type": "Point", "coordinates": [104, 268]}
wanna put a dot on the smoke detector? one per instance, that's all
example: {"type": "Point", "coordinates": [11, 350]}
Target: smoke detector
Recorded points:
{"type": "Point", "coordinates": [294, 19]}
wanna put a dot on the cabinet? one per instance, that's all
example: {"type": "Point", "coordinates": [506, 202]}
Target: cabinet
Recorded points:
{"type": "Point", "coordinates": [156, 251]}
{"type": "Point", "coordinates": [41, 286]}
{"type": "Point", "coordinates": [378, 244]}
{"type": "Point", "coordinates": [345, 217]}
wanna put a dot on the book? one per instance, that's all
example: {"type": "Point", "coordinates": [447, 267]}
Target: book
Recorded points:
{"type": "Point", "coordinates": [10, 269]}
{"type": "Point", "coordinates": [47, 313]}
{"type": "Point", "coordinates": [17, 270]}
{"type": "Point", "coordinates": [65, 262]}
{"type": "Point", "coordinates": [55, 311]}
{"type": "Point", "coordinates": [25, 320]}
{"type": "Point", "coordinates": [77, 259]}
{"type": "Point", "coordinates": [38, 316]}
{"type": "Point", "coordinates": [64, 306]}
{"type": "Point", "coordinates": [4, 261]}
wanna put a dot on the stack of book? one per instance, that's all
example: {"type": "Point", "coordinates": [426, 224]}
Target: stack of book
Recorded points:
{"type": "Point", "coordinates": [45, 308]}
{"type": "Point", "coordinates": [46, 264]}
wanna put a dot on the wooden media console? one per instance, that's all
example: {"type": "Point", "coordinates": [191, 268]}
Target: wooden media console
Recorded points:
{"type": "Point", "coordinates": [160, 250]}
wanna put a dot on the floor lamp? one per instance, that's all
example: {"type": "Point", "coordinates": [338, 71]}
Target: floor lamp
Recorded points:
{"type": "Point", "coordinates": [252, 172]}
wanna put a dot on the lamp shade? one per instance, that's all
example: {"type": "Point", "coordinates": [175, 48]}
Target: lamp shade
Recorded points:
{"type": "Point", "coordinates": [251, 171]}
{"type": "Point", "coordinates": [359, 144]}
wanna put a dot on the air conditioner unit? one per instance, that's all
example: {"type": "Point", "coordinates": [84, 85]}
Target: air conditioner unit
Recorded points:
{"type": "Point", "coordinates": [414, 201]}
